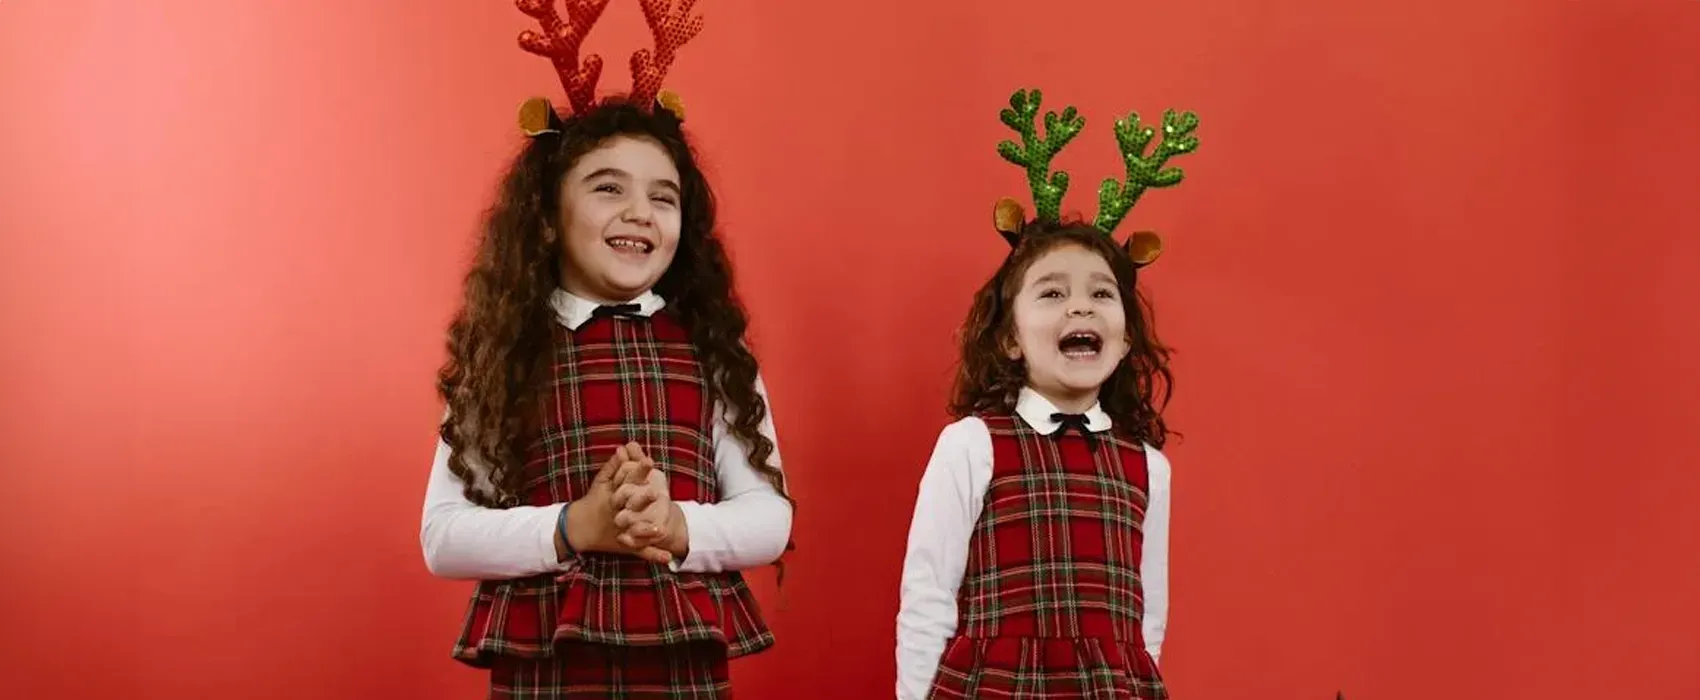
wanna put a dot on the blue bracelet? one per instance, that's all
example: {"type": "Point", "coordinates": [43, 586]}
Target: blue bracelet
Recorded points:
{"type": "Point", "coordinates": [561, 528]}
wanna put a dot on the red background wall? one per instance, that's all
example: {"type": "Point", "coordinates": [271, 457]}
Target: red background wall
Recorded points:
{"type": "Point", "coordinates": [1431, 282]}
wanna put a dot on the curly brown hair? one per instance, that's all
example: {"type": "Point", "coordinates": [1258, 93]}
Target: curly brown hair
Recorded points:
{"type": "Point", "coordinates": [989, 382]}
{"type": "Point", "coordinates": [499, 341]}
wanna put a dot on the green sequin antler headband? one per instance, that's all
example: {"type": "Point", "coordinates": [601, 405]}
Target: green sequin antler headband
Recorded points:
{"type": "Point", "coordinates": [1115, 197]}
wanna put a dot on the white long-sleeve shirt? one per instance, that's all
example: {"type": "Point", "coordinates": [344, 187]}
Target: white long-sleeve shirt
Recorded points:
{"type": "Point", "coordinates": [947, 509]}
{"type": "Point", "coordinates": [748, 527]}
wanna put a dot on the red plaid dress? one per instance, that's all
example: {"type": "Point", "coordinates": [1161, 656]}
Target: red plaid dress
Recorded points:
{"type": "Point", "coordinates": [1051, 602]}
{"type": "Point", "coordinates": [615, 625]}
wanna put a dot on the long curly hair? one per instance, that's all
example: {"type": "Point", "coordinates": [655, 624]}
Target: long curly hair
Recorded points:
{"type": "Point", "coordinates": [989, 382]}
{"type": "Point", "coordinates": [499, 342]}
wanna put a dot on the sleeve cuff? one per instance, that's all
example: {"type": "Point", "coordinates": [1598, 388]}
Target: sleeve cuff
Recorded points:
{"type": "Point", "coordinates": [694, 531]}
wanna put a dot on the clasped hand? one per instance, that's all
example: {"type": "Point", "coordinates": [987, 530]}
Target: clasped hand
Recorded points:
{"type": "Point", "coordinates": [628, 510]}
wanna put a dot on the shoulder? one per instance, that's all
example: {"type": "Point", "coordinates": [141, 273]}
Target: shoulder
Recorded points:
{"type": "Point", "coordinates": [963, 444]}
{"type": "Point", "coordinates": [1156, 464]}
{"type": "Point", "coordinates": [965, 431]}
{"type": "Point", "coordinates": [961, 456]}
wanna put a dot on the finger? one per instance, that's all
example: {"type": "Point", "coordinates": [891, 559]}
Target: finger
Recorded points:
{"type": "Point", "coordinates": [608, 470]}
{"type": "Point", "coordinates": [638, 525]}
{"type": "Point", "coordinates": [649, 522]}
{"type": "Point", "coordinates": [606, 474]}
{"type": "Point", "coordinates": [635, 541]}
{"type": "Point", "coordinates": [632, 472]}
{"type": "Point", "coordinates": [623, 495]}
{"type": "Point", "coordinates": [634, 451]}
{"type": "Point", "coordinates": [637, 498]}
{"type": "Point", "coordinates": [656, 555]}
{"type": "Point", "coordinates": [654, 473]}
{"type": "Point", "coordinates": [640, 473]}
{"type": "Point", "coordinates": [659, 512]}
{"type": "Point", "coordinates": [641, 500]}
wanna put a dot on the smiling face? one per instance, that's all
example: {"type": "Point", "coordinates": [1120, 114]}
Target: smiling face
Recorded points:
{"type": "Point", "coordinates": [1070, 326]}
{"type": "Point", "coordinates": [620, 211]}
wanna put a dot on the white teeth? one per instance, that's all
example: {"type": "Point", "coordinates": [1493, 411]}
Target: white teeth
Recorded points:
{"type": "Point", "coordinates": [640, 246]}
{"type": "Point", "coordinates": [1080, 344]}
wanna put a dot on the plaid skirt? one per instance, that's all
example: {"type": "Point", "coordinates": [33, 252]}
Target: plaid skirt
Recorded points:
{"type": "Point", "coordinates": [1056, 667]}
{"type": "Point", "coordinates": [693, 671]}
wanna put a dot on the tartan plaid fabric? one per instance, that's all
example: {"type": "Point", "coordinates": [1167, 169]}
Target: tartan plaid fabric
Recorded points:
{"type": "Point", "coordinates": [1051, 601]}
{"type": "Point", "coordinates": [696, 671]}
{"type": "Point", "coordinates": [617, 380]}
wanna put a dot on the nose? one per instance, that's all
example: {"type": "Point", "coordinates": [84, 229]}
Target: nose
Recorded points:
{"type": "Point", "coordinates": [1080, 307]}
{"type": "Point", "coordinates": [640, 211]}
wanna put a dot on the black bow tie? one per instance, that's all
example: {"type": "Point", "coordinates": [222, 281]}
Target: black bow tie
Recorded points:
{"type": "Point", "coordinates": [615, 310]}
{"type": "Point", "coordinates": [1072, 421]}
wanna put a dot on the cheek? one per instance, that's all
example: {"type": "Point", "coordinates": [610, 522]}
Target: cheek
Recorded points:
{"type": "Point", "coordinates": [1033, 326]}
{"type": "Point", "coordinates": [1115, 327]}
{"type": "Point", "coordinates": [583, 228]}
{"type": "Point", "coordinates": [1116, 321]}
{"type": "Point", "coordinates": [669, 234]}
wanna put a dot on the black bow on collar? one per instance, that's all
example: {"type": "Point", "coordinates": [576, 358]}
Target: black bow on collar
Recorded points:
{"type": "Point", "coordinates": [616, 310]}
{"type": "Point", "coordinates": [1072, 421]}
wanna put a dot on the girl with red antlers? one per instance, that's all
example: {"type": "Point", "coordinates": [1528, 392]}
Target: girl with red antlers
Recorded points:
{"type": "Point", "coordinates": [608, 462]}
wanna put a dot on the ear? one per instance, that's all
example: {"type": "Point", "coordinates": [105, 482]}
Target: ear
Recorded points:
{"type": "Point", "coordinates": [670, 101]}
{"type": "Point", "coordinates": [537, 117]}
{"type": "Point", "coordinates": [1144, 247]}
{"type": "Point", "coordinates": [1011, 349]}
{"type": "Point", "coordinates": [1008, 217]}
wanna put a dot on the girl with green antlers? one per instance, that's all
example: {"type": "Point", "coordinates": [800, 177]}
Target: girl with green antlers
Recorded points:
{"type": "Point", "coordinates": [1037, 563]}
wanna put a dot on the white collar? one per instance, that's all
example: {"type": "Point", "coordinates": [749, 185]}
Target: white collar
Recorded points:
{"type": "Point", "coordinates": [572, 310]}
{"type": "Point", "coordinates": [1037, 410]}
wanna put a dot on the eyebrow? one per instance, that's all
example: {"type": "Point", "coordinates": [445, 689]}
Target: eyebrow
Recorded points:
{"type": "Point", "coordinates": [1058, 277]}
{"type": "Point", "coordinates": [623, 175]}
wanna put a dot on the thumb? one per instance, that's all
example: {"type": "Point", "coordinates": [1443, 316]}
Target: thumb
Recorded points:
{"type": "Point", "coordinates": [613, 464]}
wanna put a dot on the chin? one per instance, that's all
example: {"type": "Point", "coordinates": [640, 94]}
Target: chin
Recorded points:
{"type": "Point", "coordinates": [627, 292]}
{"type": "Point", "coordinates": [1082, 382]}
{"type": "Point", "coordinates": [1077, 380]}
{"type": "Point", "coordinates": [1082, 388]}
{"type": "Point", "coordinates": [633, 281]}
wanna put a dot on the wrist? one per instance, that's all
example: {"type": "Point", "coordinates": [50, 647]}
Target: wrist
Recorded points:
{"type": "Point", "coordinates": [577, 528]}
{"type": "Point", "coordinates": [679, 539]}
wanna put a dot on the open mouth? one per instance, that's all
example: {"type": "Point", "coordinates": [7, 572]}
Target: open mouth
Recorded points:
{"type": "Point", "coordinates": [1080, 345]}
{"type": "Point", "coordinates": [628, 244]}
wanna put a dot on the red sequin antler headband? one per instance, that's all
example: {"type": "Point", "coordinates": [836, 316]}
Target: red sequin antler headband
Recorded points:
{"type": "Point", "coordinates": [561, 39]}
